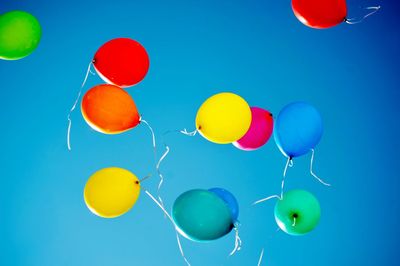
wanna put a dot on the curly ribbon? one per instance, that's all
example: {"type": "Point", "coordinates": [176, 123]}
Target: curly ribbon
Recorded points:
{"type": "Point", "coordinates": [261, 257]}
{"type": "Point", "coordinates": [266, 199]}
{"type": "Point", "coordinates": [238, 241]}
{"type": "Point", "coordinates": [312, 172]}
{"type": "Point", "coordinates": [76, 103]}
{"type": "Point", "coordinates": [173, 223]}
{"type": "Point", "coordinates": [167, 150]}
{"type": "Point", "coordinates": [352, 21]}
{"type": "Point", "coordinates": [289, 163]}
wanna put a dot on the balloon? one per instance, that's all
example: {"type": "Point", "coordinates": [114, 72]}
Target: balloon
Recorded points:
{"type": "Point", "coordinates": [259, 132]}
{"type": "Point", "coordinates": [229, 199]}
{"type": "Point", "coordinates": [200, 215]}
{"type": "Point", "coordinates": [298, 212]}
{"type": "Point", "coordinates": [111, 192]}
{"type": "Point", "coordinates": [109, 109]}
{"type": "Point", "coordinates": [320, 14]}
{"type": "Point", "coordinates": [20, 34]}
{"type": "Point", "coordinates": [122, 62]}
{"type": "Point", "coordinates": [298, 129]}
{"type": "Point", "coordinates": [223, 118]}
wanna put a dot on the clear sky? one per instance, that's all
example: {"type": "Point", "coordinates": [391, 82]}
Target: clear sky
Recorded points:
{"type": "Point", "coordinates": [257, 49]}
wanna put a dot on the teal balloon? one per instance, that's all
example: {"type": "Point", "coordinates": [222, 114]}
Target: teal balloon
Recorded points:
{"type": "Point", "coordinates": [298, 212]}
{"type": "Point", "coordinates": [200, 215]}
{"type": "Point", "coordinates": [298, 129]}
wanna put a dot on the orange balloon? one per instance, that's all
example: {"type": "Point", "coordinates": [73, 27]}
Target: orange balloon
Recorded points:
{"type": "Point", "coordinates": [109, 109]}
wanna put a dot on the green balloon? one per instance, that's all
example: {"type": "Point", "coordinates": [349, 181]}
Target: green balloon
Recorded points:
{"type": "Point", "coordinates": [298, 212]}
{"type": "Point", "coordinates": [20, 34]}
{"type": "Point", "coordinates": [201, 215]}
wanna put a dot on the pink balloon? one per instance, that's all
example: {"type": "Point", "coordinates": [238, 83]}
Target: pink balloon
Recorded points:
{"type": "Point", "coordinates": [262, 124]}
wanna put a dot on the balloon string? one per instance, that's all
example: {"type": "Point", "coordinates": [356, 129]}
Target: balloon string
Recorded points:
{"type": "Point", "coordinates": [190, 134]}
{"type": "Point", "coordinates": [266, 199]}
{"type": "Point", "coordinates": [311, 170]}
{"type": "Point", "coordinates": [155, 159]}
{"type": "Point", "coordinates": [294, 221]}
{"type": "Point", "coordinates": [75, 104]}
{"type": "Point", "coordinates": [352, 21]}
{"type": "Point", "coordinates": [167, 150]}
{"type": "Point", "coordinates": [161, 207]}
{"type": "Point", "coordinates": [144, 178]}
{"type": "Point", "coordinates": [158, 166]}
{"type": "Point", "coordinates": [238, 241]}
{"type": "Point", "coordinates": [153, 137]}
{"type": "Point", "coordinates": [261, 257]}
{"type": "Point", "coordinates": [173, 223]}
{"type": "Point", "coordinates": [289, 163]}
{"type": "Point", "coordinates": [178, 240]}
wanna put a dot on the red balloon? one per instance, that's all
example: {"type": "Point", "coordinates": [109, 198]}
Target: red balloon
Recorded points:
{"type": "Point", "coordinates": [320, 14]}
{"type": "Point", "coordinates": [123, 62]}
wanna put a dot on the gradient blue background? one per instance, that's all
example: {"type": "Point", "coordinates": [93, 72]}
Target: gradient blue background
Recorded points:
{"type": "Point", "coordinates": [254, 48]}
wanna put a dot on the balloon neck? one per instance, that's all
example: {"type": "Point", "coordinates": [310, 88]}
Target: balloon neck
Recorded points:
{"type": "Point", "coordinates": [231, 226]}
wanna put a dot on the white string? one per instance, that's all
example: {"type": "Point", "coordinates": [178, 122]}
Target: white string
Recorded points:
{"type": "Point", "coordinates": [167, 149]}
{"type": "Point", "coordinates": [75, 104]}
{"type": "Point", "coordinates": [178, 240]}
{"type": "Point", "coordinates": [294, 221]}
{"type": "Point", "coordinates": [152, 136]}
{"type": "Point", "coordinates": [311, 170]}
{"type": "Point", "coordinates": [158, 167]}
{"type": "Point", "coordinates": [261, 257]}
{"type": "Point", "coordinates": [265, 199]}
{"type": "Point", "coordinates": [352, 21]}
{"type": "Point", "coordinates": [191, 134]}
{"type": "Point", "coordinates": [161, 207]}
{"type": "Point", "coordinates": [144, 178]}
{"type": "Point", "coordinates": [238, 241]}
{"type": "Point", "coordinates": [173, 223]}
{"type": "Point", "coordinates": [289, 163]}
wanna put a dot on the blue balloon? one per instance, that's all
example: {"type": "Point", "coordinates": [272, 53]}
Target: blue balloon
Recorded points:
{"type": "Point", "coordinates": [229, 199]}
{"type": "Point", "coordinates": [298, 129]}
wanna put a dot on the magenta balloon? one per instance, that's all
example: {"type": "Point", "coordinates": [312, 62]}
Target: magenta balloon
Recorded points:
{"type": "Point", "coordinates": [262, 124]}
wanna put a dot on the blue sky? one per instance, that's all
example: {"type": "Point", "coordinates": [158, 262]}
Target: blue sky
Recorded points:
{"type": "Point", "coordinates": [256, 49]}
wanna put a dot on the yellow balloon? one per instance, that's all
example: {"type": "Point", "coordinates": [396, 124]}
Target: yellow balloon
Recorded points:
{"type": "Point", "coordinates": [223, 118]}
{"type": "Point", "coordinates": [111, 192]}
